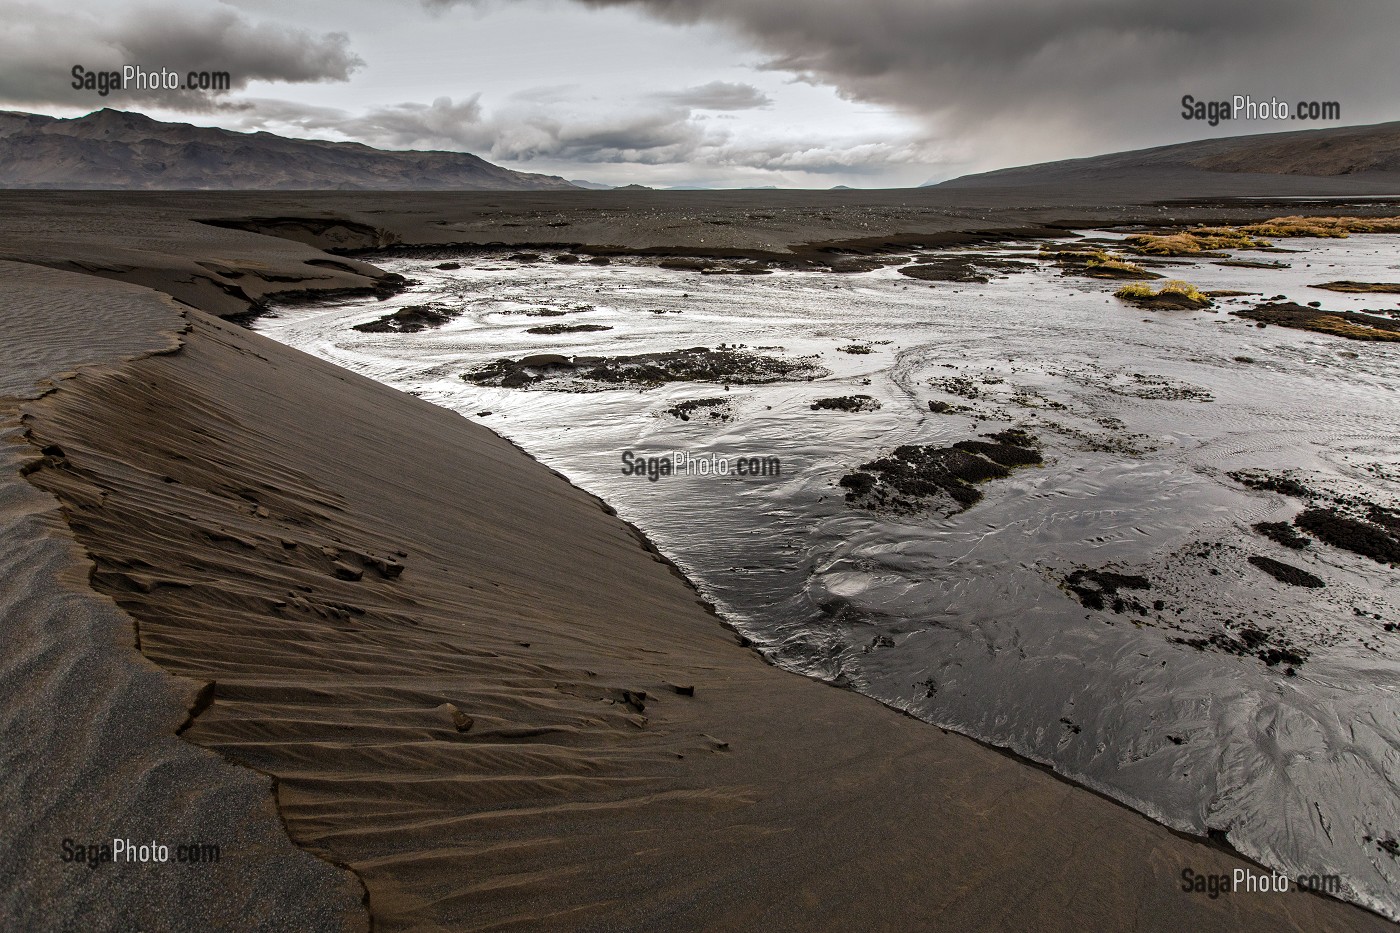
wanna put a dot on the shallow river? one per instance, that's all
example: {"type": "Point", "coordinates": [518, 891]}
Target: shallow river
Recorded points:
{"type": "Point", "coordinates": [962, 618]}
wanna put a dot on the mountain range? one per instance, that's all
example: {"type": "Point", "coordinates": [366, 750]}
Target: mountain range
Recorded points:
{"type": "Point", "coordinates": [1347, 155]}
{"type": "Point", "coordinates": [120, 149]}
{"type": "Point", "coordinates": [115, 149]}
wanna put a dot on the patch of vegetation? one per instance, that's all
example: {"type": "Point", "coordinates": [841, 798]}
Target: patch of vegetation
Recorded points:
{"type": "Point", "coordinates": [1111, 267]}
{"type": "Point", "coordinates": [859, 349]}
{"type": "Point", "coordinates": [1338, 227]}
{"type": "Point", "coordinates": [1173, 294]}
{"type": "Point", "coordinates": [1070, 255]}
{"type": "Point", "coordinates": [1095, 263]}
{"type": "Point", "coordinates": [1198, 241]}
{"type": "Point", "coordinates": [1201, 242]}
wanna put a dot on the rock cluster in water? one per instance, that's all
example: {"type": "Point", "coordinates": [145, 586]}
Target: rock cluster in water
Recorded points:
{"type": "Point", "coordinates": [915, 476]}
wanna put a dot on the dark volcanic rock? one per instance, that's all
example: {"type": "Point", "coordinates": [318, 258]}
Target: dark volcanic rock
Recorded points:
{"type": "Point", "coordinates": [696, 364]}
{"type": "Point", "coordinates": [1166, 301]}
{"type": "Point", "coordinates": [1008, 455]}
{"type": "Point", "coordinates": [1351, 534]}
{"type": "Point", "coordinates": [1099, 589]}
{"type": "Point", "coordinates": [1352, 325]}
{"type": "Point", "coordinates": [409, 320]}
{"type": "Point", "coordinates": [715, 408]}
{"type": "Point", "coordinates": [846, 403]}
{"type": "Point", "coordinates": [946, 269]}
{"type": "Point", "coordinates": [1269, 482]}
{"type": "Point", "coordinates": [1285, 573]}
{"type": "Point", "coordinates": [1389, 519]}
{"type": "Point", "coordinates": [344, 571]}
{"type": "Point", "coordinates": [566, 328]}
{"type": "Point", "coordinates": [1251, 641]}
{"type": "Point", "coordinates": [913, 476]}
{"type": "Point", "coordinates": [686, 265]}
{"type": "Point", "coordinates": [1282, 533]}
{"type": "Point", "coordinates": [1347, 285]}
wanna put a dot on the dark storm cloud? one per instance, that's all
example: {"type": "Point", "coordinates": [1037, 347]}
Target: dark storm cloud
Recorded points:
{"type": "Point", "coordinates": [41, 44]}
{"type": "Point", "coordinates": [718, 95]}
{"type": "Point", "coordinates": [1037, 75]}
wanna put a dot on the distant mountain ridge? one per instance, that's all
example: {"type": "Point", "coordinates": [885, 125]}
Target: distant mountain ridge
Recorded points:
{"type": "Point", "coordinates": [1372, 151]}
{"type": "Point", "coordinates": [124, 150]}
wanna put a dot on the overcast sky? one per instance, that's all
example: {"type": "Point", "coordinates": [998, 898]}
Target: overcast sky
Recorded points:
{"type": "Point", "coordinates": [793, 93]}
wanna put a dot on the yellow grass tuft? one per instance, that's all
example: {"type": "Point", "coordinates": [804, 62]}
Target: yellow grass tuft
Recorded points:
{"type": "Point", "coordinates": [1194, 241]}
{"type": "Point", "coordinates": [1333, 324]}
{"type": "Point", "coordinates": [1113, 262]}
{"type": "Point", "coordinates": [1137, 291]}
{"type": "Point", "coordinates": [1323, 226]}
